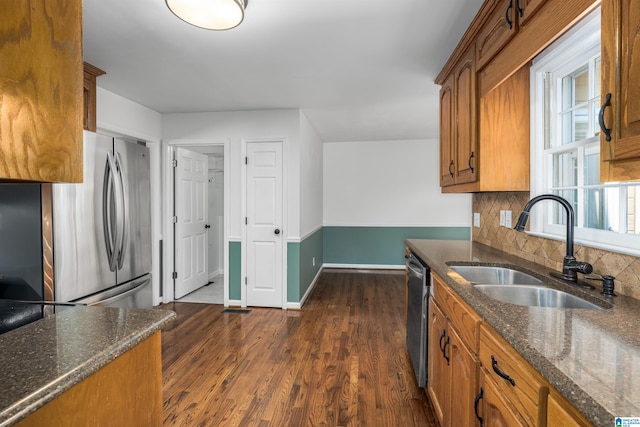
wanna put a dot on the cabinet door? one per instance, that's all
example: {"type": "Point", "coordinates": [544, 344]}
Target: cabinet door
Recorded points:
{"type": "Point", "coordinates": [41, 90]}
{"type": "Point", "coordinates": [620, 83]}
{"type": "Point", "coordinates": [499, 29]}
{"type": "Point", "coordinates": [464, 379]}
{"type": "Point", "coordinates": [526, 9]}
{"type": "Point", "coordinates": [494, 411]}
{"type": "Point", "coordinates": [466, 155]}
{"type": "Point", "coordinates": [438, 379]}
{"type": "Point", "coordinates": [561, 414]}
{"type": "Point", "coordinates": [447, 133]}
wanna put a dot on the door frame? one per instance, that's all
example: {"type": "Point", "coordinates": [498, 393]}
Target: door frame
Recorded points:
{"type": "Point", "coordinates": [168, 255]}
{"type": "Point", "coordinates": [285, 222]}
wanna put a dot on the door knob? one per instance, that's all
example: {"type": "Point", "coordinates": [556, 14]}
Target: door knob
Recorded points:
{"type": "Point", "coordinates": [277, 231]}
{"type": "Point", "coordinates": [207, 226]}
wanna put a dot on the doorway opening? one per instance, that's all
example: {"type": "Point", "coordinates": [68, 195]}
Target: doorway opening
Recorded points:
{"type": "Point", "coordinates": [198, 253]}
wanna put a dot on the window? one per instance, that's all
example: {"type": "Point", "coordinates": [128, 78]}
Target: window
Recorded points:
{"type": "Point", "coordinates": [565, 146]}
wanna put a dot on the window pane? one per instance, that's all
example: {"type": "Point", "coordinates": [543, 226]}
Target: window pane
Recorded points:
{"type": "Point", "coordinates": [575, 97]}
{"type": "Point", "coordinates": [633, 209]}
{"type": "Point", "coordinates": [601, 209]}
{"type": "Point", "coordinates": [559, 215]}
{"type": "Point", "coordinates": [592, 165]}
{"type": "Point", "coordinates": [565, 168]}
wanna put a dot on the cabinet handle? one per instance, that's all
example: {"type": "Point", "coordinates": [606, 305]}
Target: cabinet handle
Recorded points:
{"type": "Point", "coordinates": [506, 16]}
{"type": "Point", "coordinates": [519, 9]}
{"type": "Point", "coordinates": [444, 334]}
{"type": "Point", "coordinates": [501, 373]}
{"type": "Point", "coordinates": [471, 157]}
{"type": "Point", "coordinates": [607, 131]}
{"type": "Point", "coordinates": [444, 350]}
{"type": "Point", "coordinates": [475, 407]}
{"type": "Point", "coordinates": [451, 168]}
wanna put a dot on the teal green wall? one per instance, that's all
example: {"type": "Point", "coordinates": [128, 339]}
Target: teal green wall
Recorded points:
{"type": "Point", "coordinates": [235, 270]}
{"type": "Point", "coordinates": [380, 245]}
{"type": "Point", "coordinates": [300, 268]}
{"type": "Point", "coordinates": [341, 245]}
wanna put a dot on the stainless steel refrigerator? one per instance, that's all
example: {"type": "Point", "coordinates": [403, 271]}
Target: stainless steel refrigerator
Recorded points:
{"type": "Point", "coordinates": [102, 227]}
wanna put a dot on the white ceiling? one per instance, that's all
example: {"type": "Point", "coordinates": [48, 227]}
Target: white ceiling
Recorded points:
{"type": "Point", "coordinates": [361, 70]}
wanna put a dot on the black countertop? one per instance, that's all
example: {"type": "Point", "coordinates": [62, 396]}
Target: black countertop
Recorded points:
{"type": "Point", "coordinates": [592, 357]}
{"type": "Point", "coordinates": [43, 359]}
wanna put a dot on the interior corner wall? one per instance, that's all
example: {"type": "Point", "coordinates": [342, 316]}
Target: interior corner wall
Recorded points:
{"type": "Point", "coordinates": [118, 114]}
{"type": "Point", "coordinates": [378, 193]}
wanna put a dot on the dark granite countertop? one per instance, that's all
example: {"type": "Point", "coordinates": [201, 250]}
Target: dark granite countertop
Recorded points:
{"type": "Point", "coordinates": [592, 357]}
{"type": "Point", "coordinates": [43, 359]}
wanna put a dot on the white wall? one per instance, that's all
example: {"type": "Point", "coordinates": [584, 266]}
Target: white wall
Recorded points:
{"type": "Point", "coordinates": [237, 127]}
{"type": "Point", "coordinates": [388, 183]}
{"type": "Point", "coordinates": [310, 178]}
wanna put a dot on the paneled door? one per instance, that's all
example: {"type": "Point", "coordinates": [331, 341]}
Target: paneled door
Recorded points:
{"type": "Point", "coordinates": [191, 210]}
{"type": "Point", "coordinates": [264, 224]}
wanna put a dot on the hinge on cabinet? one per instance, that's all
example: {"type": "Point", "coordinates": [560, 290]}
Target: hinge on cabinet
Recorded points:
{"type": "Point", "coordinates": [246, 220]}
{"type": "Point", "coordinates": [174, 219]}
{"type": "Point", "coordinates": [174, 275]}
{"type": "Point", "coordinates": [245, 280]}
{"type": "Point", "coordinates": [246, 160]}
{"type": "Point", "coordinates": [174, 163]}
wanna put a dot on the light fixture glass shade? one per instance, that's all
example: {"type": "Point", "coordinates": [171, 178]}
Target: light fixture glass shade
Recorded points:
{"type": "Point", "coordinates": [209, 14]}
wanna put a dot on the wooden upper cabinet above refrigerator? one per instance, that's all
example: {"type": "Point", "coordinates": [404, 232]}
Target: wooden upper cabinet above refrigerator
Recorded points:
{"type": "Point", "coordinates": [41, 91]}
{"type": "Point", "coordinates": [620, 93]}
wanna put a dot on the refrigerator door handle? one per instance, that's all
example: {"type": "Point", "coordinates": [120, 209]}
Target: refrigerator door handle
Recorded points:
{"type": "Point", "coordinates": [112, 199]}
{"type": "Point", "coordinates": [123, 225]}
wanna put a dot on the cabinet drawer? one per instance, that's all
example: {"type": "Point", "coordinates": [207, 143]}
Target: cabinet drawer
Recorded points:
{"type": "Point", "coordinates": [462, 317]}
{"type": "Point", "coordinates": [523, 388]}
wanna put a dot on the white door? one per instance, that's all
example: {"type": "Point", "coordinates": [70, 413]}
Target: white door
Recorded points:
{"type": "Point", "coordinates": [264, 224]}
{"type": "Point", "coordinates": [191, 209]}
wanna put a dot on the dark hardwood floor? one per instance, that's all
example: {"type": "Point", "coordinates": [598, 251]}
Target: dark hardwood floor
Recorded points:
{"type": "Point", "coordinates": [340, 361]}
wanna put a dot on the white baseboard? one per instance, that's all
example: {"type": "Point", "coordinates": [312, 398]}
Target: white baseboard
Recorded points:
{"type": "Point", "coordinates": [298, 305]}
{"type": "Point", "coordinates": [234, 303]}
{"type": "Point", "coordinates": [216, 273]}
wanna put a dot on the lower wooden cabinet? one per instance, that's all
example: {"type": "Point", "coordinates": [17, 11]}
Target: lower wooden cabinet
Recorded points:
{"type": "Point", "coordinates": [490, 407]}
{"type": "Point", "coordinates": [474, 374]}
{"type": "Point", "coordinates": [560, 413]}
{"type": "Point", "coordinates": [126, 392]}
{"type": "Point", "coordinates": [453, 363]}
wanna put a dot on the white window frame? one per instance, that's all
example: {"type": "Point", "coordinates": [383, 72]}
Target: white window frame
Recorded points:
{"type": "Point", "coordinates": [564, 56]}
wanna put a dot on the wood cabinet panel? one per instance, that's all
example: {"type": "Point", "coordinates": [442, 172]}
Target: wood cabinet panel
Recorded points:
{"type": "Point", "coordinates": [41, 90]}
{"type": "Point", "coordinates": [464, 381]}
{"type": "Point", "coordinates": [126, 392]}
{"type": "Point", "coordinates": [494, 411]}
{"type": "Point", "coordinates": [505, 135]}
{"type": "Point", "coordinates": [463, 318]}
{"type": "Point", "coordinates": [525, 390]}
{"type": "Point", "coordinates": [89, 117]}
{"type": "Point", "coordinates": [466, 130]}
{"type": "Point", "coordinates": [447, 133]}
{"type": "Point", "coordinates": [438, 372]}
{"type": "Point", "coordinates": [526, 9]}
{"type": "Point", "coordinates": [500, 28]}
{"type": "Point", "coordinates": [620, 156]}
{"type": "Point", "coordinates": [562, 414]}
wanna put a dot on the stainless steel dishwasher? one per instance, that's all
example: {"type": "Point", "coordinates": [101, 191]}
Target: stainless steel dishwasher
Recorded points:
{"type": "Point", "coordinates": [418, 283]}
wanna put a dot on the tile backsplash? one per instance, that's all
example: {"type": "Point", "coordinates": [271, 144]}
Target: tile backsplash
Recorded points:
{"type": "Point", "coordinates": [550, 253]}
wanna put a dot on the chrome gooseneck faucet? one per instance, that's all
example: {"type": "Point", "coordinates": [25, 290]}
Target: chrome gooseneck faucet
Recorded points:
{"type": "Point", "coordinates": [570, 267]}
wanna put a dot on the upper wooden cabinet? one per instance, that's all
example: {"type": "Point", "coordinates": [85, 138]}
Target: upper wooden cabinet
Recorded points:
{"type": "Point", "coordinates": [89, 120]}
{"type": "Point", "coordinates": [458, 129]}
{"type": "Point", "coordinates": [484, 138]}
{"type": "Point", "coordinates": [620, 114]}
{"type": "Point", "coordinates": [41, 91]}
{"type": "Point", "coordinates": [499, 29]}
{"type": "Point", "coordinates": [502, 25]}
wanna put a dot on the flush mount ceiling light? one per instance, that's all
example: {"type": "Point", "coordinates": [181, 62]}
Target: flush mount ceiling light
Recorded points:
{"type": "Point", "coordinates": [209, 14]}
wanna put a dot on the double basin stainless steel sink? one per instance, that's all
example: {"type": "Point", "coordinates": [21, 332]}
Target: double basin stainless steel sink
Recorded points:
{"type": "Point", "coordinates": [516, 287]}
